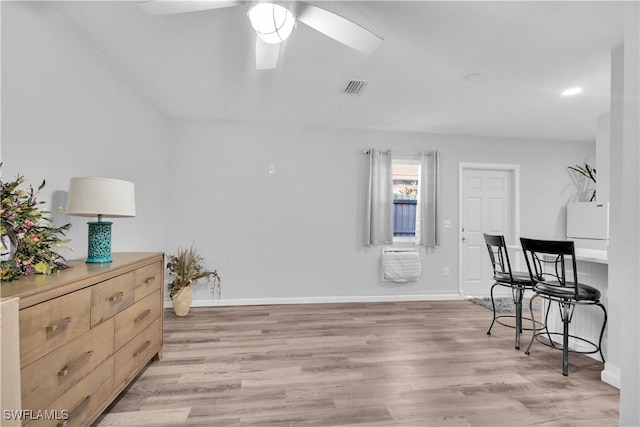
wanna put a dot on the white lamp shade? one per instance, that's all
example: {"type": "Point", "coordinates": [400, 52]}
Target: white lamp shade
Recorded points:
{"type": "Point", "coordinates": [92, 196]}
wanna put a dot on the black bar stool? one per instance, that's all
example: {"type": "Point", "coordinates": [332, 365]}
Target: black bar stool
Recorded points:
{"type": "Point", "coordinates": [552, 285]}
{"type": "Point", "coordinates": [518, 282]}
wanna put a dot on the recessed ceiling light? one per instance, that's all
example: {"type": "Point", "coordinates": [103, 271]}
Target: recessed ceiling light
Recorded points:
{"type": "Point", "coordinates": [572, 91]}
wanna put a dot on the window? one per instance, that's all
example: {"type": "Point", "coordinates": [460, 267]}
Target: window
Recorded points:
{"type": "Point", "coordinates": [406, 181]}
{"type": "Point", "coordinates": [410, 171]}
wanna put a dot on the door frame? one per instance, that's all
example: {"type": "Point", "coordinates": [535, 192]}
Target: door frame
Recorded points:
{"type": "Point", "coordinates": [515, 168]}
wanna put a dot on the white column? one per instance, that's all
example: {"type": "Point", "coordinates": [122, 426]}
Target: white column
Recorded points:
{"type": "Point", "coordinates": [624, 246]}
{"type": "Point", "coordinates": [617, 249]}
{"type": "Point", "coordinates": [630, 288]}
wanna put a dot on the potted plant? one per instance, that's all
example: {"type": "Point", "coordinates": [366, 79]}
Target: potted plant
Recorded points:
{"type": "Point", "coordinates": [589, 173]}
{"type": "Point", "coordinates": [187, 268]}
{"type": "Point", "coordinates": [28, 238]}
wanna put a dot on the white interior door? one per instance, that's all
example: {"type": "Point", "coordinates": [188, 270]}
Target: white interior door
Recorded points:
{"type": "Point", "coordinates": [487, 205]}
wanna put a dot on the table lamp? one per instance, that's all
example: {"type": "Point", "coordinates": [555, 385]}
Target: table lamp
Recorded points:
{"type": "Point", "coordinates": [101, 197]}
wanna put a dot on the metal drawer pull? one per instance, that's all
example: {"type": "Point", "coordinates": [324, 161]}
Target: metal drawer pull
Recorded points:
{"type": "Point", "coordinates": [145, 282]}
{"type": "Point", "coordinates": [61, 324]}
{"type": "Point", "coordinates": [142, 316]}
{"type": "Point", "coordinates": [76, 411]}
{"type": "Point", "coordinates": [68, 368]}
{"type": "Point", "coordinates": [116, 297]}
{"type": "Point", "coordinates": [141, 349]}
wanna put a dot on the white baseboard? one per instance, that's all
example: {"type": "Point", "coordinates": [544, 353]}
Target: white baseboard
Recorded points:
{"type": "Point", "coordinates": [506, 294]}
{"type": "Point", "coordinates": [611, 375]}
{"type": "Point", "coordinates": [319, 300]}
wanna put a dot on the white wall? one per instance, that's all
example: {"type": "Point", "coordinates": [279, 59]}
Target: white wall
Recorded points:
{"type": "Point", "coordinates": [297, 235]}
{"type": "Point", "coordinates": [603, 156]}
{"type": "Point", "coordinates": [66, 112]}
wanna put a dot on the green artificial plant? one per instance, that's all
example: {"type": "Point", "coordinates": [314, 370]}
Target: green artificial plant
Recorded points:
{"type": "Point", "coordinates": [589, 173]}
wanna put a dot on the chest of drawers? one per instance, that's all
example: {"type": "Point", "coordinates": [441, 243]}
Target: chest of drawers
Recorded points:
{"type": "Point", "coordinates": [84, 335]}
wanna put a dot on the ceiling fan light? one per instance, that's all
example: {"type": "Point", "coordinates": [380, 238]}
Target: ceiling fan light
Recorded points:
{"type": "Point", "coordinates": [272, 22]}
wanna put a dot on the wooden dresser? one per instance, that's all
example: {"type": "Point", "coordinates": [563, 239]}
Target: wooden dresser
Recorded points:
{"type": "Point", "coordinates": [85, 333]}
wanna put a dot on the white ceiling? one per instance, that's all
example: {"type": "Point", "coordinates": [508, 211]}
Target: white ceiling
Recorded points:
{"type": "Point", "coordinates": [201, 65]}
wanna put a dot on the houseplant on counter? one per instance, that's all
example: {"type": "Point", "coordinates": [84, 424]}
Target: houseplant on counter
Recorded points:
{"type": "Point", "coordinates": [589, 173]}
{"type": "Point", "coordinates": [187, 268]}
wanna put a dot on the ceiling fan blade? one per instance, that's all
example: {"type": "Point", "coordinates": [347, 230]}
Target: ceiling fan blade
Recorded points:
{"type": "Point", "coordinates": [266, 55]}
{"type": "Point", "coordinates": [340, 29]}
{"type": "Point", "coordinates": [163, 7]}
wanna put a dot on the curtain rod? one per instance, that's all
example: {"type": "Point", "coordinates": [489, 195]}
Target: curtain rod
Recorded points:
{"type": "Point", "coordinates": [405, 153]}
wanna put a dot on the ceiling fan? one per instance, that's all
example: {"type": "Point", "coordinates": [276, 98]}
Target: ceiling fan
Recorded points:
{"type": "Point", "coordinates": [274, 21]}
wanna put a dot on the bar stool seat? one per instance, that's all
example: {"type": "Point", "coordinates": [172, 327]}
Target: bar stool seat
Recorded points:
{"type": "Point", "coordinates": [585, 292]}
{"type": "Point", "coordinates": [517, 277]}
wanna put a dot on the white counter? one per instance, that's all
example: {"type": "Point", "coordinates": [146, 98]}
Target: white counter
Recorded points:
{"type": "Point", "coordinates": [586, 255]}
{"type": "Point", "coordinates": [592, 255]}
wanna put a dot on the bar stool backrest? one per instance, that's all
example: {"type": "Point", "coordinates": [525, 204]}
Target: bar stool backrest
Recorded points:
{"type": "Point", "coordinates": [546, 261]}
{"type": "Point", "coordinates": [499, 257]}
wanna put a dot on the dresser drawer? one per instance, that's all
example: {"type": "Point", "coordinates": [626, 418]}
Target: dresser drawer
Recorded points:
{"type": "Point", "coordinates": [148, 279]}
{"type": "Point", "coordinates": [46, 326]}
{"type": "Point", "coordinates": [136, 353]}
{"type": "Point", "coordinates": [111, 297]}
{"type": "Point", "coordinates": [49, 377]}
{"type": "Point", "coordinates": [137, 317]}
{"type": "Point", "coordinates": [82, 402]}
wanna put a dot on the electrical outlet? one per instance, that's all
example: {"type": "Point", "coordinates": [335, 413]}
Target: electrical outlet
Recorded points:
{"type": "Point", "coordinates": [446, 271]}
{"type": "Point", "coordinates": [272, 169]}
{"type": "Point", "coordinates": [447, 223]}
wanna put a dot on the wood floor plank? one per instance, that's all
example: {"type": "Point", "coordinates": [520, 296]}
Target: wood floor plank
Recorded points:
{"type": "Point", "coordinates": [147, 418]}
{"type": "Point", "coordinates": [358, 364]}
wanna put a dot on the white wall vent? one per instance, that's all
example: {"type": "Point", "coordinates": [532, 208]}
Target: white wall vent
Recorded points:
{"type": "Point", "coordinates": [355, 87]}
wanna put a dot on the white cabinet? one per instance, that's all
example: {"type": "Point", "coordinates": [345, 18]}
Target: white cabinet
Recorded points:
{"type": "Point", "coordinates": [588, 224]}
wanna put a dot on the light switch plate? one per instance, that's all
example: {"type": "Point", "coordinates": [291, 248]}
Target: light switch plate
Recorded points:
{"type": "Point", "coordinates": [447, 223]}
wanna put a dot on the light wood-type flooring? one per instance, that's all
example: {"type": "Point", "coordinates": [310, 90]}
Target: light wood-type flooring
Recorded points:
{"type": "Point", "coordinates": [358, 364]}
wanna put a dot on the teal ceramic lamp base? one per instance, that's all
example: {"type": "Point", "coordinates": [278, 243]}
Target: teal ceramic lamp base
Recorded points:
{"type": "Point", "coordinates": [99, 242]}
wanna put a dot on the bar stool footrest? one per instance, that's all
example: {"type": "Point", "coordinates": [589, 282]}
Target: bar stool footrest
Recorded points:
{"type": "Point", "coordinates": [558, 346]}
{"type": "Point", "coordinates": [511, 316]}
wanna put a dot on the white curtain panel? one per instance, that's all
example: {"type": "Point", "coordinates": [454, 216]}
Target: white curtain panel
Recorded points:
{"type": "Point", "coordinates": [379, 209]}
{"type": "Point", "coordinates": [427, 234]}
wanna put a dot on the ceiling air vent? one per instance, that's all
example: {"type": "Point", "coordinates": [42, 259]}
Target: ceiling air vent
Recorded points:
{"type": "Point", "coordinates": [355, 87]}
